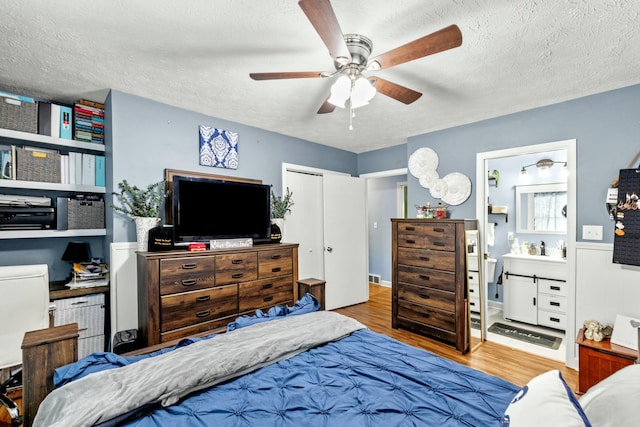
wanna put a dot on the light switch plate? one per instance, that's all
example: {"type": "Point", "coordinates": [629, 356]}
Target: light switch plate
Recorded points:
{"type": "Point", "coordinates": [592, 232]}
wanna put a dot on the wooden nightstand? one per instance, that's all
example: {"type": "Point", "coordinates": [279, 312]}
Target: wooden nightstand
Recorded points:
{"type": "Point", "coordinates": [313, 286]}
{"type": "Point", "coordinates": [598, 360]}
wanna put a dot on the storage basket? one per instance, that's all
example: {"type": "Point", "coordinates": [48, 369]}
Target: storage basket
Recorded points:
{"type": "Point", "coordinates": [85, 214]}
{"type": "Point", "coordinates": [18, 115]}
{"type": "Point", "coordinates": [34, 165]}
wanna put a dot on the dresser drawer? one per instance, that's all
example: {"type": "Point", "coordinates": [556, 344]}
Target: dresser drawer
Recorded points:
{"type": "Point", "coordinates": [275, 263]}
{"type": "Point", "coordinates": [411, 236]}
{"type": "Point", "coordinates": [474, 290]}
{"type": "Point", "coordinates": [552, 287]}
{"type": "Point", "coordinates": [437, 279]}
{"type": "Point", "coordinates": [213, 326]}
{"type": "Point", "coordinates": [427, 296]}
{"type": "Point", "coordinates": [552, 320]}
{"type": "Point", "coordinates": [236, 268]}
{"type": "Point", "coordinates": [552, 303]}
{"type": "Point", "coordinates": [186, 274]}
{"type": "Point", "coordinates": [187, 308]}
{"type": "Point", "coordinates": [427, 258]}
{"type": "Point", "coordinates": [427, 316]}
{"type": "Point", "coordinates": [474, 304]}
{"type": "Point", "coordinates": [265, 293]}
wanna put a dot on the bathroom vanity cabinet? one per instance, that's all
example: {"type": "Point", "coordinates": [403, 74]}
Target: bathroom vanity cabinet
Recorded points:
{"type": "Point", "coordinates": [535, 290]}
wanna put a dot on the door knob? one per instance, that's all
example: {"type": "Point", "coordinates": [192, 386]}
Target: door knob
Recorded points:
{"type": "Point", "coordinates": [329, 249]}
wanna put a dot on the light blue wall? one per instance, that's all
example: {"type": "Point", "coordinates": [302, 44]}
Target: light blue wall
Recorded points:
{"type": "Point", "coordinates": [148, 137]}
{"type": "Point", "coordinates": [381, 207]}
{"type": "Point", "coordinates": [606, 127]}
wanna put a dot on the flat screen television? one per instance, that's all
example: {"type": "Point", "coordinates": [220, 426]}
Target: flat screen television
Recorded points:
{"type": "Point", "coordinates": [205, 209]}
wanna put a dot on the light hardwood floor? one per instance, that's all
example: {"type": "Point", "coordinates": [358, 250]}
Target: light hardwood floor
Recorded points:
{"type": "Point", "coordinates": [513, 365]}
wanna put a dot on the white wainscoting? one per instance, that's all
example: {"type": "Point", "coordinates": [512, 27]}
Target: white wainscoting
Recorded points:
{"type": "Point", "coordinates": [123, 287]}
{"type": "Point", "coordinates": [604, 289]}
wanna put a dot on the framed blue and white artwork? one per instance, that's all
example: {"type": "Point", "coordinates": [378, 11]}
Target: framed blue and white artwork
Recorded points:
{"type": "Point", "coordinates": [218, 148]}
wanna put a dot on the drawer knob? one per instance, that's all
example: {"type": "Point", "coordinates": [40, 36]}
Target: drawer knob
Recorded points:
{"type": "Point", "coordinates": [410, 241]}
{"type": "Point", "coordinates": [267, 286]}
{"type": "Point", "coordinates": [423, 277]}
{"type": "Point", "coordinates": [439, 244]}
{"type": "Point", "coordinates": [471, 291]}
{"type": "Point", "coordinates": [203, 298]}
{"type": "Point", "coordinates": [424, 258]}
{"type": "Point", "coordinates": [410, 228]}
{"type": "Point", "coordinates": [554, 319]}
{"type": "Point", "coordinates": [203, 313]}
{"type": "Point", "coordinates": [424, 296]}
{"type": "Point", "coordinates": [189, 266]}
{"type": "Point", "coordinates": [267, 299]}
{"type": "Point", "coordinates": [188, 282]}
{"type": "Point", "coordinates": [554, 288]}
{"type": "Point", "coordinates": [426, 315]}
{"type": "Point", "coordinates": [276, 257]}
{"type": "Point", "coordinates": [276, 269]}
{"type": "Point", "coordinates": [237, 275]}
{"type": "Point", "coordinates": [236, 261]}
{"type": "Point", "coordinates": [554, 303]}
{"type": "Point", "coordinates": [79, 302]}
{"type": "Point", "coordinates": [438, 230]}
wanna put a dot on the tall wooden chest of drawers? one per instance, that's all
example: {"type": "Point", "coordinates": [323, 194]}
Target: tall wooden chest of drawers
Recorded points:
{"type": "Point", "coordinates": [183, 293]}
{"type": "Point", "coordinates": [429, 278]}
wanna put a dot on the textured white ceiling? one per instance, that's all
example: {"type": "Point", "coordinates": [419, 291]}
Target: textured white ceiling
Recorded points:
{"type": "Point", "coordinates": [198, 54]}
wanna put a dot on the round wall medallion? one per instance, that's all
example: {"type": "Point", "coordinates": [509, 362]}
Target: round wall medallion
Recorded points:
{"type": "Point", "coordinates": [458, 188]}
{"type": "Point", "coordinates": [423, 160]}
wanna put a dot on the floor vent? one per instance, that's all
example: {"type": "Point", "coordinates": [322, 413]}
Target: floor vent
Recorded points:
{"type": "Point", "coordinates": [374, 278]}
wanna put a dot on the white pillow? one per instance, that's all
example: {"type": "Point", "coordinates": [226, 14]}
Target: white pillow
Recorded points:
{"type": "Point", "coordinates": [545, 401]}
{"type": "Point", "coordinates": [614, 401]}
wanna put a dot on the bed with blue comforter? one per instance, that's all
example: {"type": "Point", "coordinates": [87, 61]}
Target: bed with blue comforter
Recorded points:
{"type": "Point", "coordinates": [312, 369]}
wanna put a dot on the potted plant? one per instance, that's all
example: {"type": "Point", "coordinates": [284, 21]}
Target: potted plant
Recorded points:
{"type": "Point", "coordinates": [280, 207]}
{"type": "Point", "coordinates": [142, 205]}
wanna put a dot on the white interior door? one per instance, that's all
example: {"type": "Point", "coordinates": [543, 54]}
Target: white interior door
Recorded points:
{"type": "Point", "coordinates": [345, 240]}
{"type": "Point", "coordinates": [305, 223]}
{"type": "Point", "coordinates": [330, 212]}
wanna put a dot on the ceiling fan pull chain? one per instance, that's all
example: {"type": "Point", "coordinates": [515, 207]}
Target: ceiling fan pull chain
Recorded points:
{"type": "Point", "coordinates": [352, 113]}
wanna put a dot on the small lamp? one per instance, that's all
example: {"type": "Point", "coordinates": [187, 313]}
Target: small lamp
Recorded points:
{"type": "Point", "coordinates": [76, 252]}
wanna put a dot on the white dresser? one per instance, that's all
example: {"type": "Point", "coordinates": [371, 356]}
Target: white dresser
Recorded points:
{"type": "Point", "coordinates": [535, 290]}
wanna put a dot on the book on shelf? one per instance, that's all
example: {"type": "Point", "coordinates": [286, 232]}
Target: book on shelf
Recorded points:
{"type": "Point", "coordinates": [65, 123]}
{"type": "Point", "coordinates": [7, 169]}
{"type": "Point", "coordinates": [88, 169]}
{"type": "Point", "coordinates": [49, 119]}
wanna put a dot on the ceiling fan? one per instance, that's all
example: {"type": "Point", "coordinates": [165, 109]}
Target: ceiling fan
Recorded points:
{"type": "Point", "coordinates": [350, 53]}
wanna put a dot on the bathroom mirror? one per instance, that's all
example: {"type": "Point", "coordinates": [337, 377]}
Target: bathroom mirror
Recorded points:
{"type": "Point", "coordinates": [475, 289]}
{"type": "Point", "coordinates": [541, 208]}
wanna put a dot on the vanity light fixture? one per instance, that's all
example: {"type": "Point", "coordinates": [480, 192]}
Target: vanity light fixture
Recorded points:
{"type": "Point", "coordinates": [543, 165]}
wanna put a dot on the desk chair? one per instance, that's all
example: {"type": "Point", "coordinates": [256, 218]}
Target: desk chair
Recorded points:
{"type": "Point", "coordinates": [24, 306]}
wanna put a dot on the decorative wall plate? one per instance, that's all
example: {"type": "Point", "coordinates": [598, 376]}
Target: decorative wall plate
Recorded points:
{"type": "Point", "coordinates": [423, 160]}
{"type": "Point", "coordinates": [429, 178]}
{"type": "Point", "coordinates": [439, 189]}
{"type": "Point", "coordinates": [458, 188]}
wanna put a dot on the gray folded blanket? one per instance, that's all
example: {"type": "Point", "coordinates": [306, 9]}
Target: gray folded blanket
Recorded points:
{"type": "Point", "coordinates": [166, 378]}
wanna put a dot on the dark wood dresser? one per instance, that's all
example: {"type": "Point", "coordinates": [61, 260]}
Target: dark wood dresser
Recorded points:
{"type": "Point", "coordinates": [429, 278]}
{"type": "Point", "coordinates": [183, 293]}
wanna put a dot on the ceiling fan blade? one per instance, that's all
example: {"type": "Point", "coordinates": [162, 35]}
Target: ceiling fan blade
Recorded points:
{"type": "Point", "coordinates": [286, 75]}
{"type": "Point", "coordinates": [327, 107]}
{"type": "Point", "coordinates": [444, 39]}
{"type": "Point", "coordinates": [324, 20]}
{"type": "Point", "coordinates": [394, 90]}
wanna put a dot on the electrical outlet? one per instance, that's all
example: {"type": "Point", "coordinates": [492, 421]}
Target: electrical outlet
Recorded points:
{"type": "Point", "coordinates": [510, 236]}
{"type": "Point", "coordinates": [592, 232]}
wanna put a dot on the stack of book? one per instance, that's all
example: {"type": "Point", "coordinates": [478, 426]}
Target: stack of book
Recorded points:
{"type": "Point", "coordinates": [88, 121]}
{"type": "Point", "coordinates": [86, 275]}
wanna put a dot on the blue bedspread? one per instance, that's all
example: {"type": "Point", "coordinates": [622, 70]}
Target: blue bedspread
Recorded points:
{"type": "Point", "coordinates": [365, 379]}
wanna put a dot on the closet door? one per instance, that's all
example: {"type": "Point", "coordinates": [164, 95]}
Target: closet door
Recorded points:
{"type": "Point", "coordinates": [328, 221]}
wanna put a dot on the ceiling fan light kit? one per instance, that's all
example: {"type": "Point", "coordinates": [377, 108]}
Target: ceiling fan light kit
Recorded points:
{"type": "Point", "coordinates": [350, 53]}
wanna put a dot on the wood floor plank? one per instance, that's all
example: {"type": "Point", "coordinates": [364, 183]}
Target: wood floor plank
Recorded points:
{"type": "Point", "coordinates": [495, 359]}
